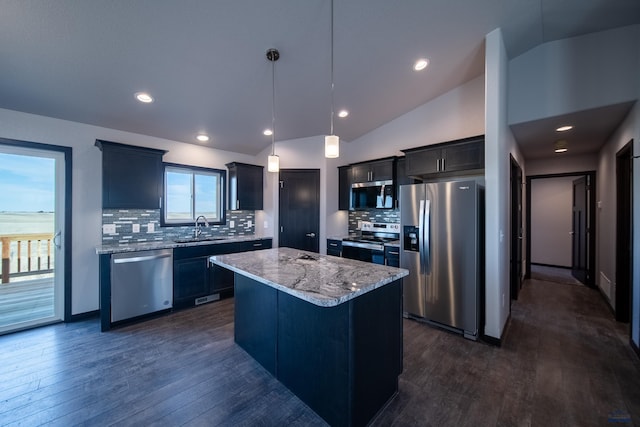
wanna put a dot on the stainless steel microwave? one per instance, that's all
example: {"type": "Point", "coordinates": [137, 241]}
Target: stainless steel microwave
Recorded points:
{"type": "Point", "coordinates": [372, 195]}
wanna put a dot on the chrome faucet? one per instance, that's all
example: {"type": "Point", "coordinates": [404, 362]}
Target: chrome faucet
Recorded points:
{"type": "Point", "coordinates": [196, 228]}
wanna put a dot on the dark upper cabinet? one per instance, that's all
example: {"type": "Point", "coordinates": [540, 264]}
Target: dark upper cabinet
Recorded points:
{"type": "Point", "coordinates": [245, 186]}
{"type": "Point", "coordinates": [377, 170]}
{"type": "Point", "coordinates": [450, 157]}
{"type": "Point", "coordinates": [401, 173]}
{"type": "Point", "coordinates": [344, 187]}
{"type": "Point", "coordinates": [131, 176]}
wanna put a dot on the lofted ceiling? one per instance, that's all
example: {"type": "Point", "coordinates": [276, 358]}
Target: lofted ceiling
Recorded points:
{"type": "Point", "coordinates": [204, 61]}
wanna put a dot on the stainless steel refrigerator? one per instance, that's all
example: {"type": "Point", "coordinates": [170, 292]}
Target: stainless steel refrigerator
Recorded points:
{"type": "Point", "coordinates": [442, 247]}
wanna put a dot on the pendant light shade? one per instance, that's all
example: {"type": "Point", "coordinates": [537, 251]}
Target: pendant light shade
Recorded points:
{"type": "Point", "coordinates": [273, 161]}
{"type": "Point", "coordinates": [331, 142]}
{"type": "Point", "coordinates": [331, 146]}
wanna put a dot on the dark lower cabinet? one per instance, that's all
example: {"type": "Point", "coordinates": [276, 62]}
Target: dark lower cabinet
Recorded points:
{"type": "Point", "coordinates": [392, 256]}
{"type": "Point", "coordinates": [196, 282]}
{"type": "Point", "coordinates": [334, 247]}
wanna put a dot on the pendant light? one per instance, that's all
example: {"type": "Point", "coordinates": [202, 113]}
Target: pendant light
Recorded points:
{"type": "Point", "coordinates": [273, 161]}
{"type": "Point", "coordinates": [331, 142]}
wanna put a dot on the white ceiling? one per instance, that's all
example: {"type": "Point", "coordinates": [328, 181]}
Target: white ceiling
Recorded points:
{"type": "Point", "coordinates": [204, 60]}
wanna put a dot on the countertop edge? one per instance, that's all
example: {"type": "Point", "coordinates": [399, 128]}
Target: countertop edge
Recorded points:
{"type": "Point", "coordinates": [167, 244]}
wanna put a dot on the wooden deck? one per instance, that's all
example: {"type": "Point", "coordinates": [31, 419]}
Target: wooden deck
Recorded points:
{"type": "Point", "coordinates": [25, 301]}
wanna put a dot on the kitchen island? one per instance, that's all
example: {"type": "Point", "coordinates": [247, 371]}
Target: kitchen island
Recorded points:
{"type": "Point", "coordinates": [328, 328]}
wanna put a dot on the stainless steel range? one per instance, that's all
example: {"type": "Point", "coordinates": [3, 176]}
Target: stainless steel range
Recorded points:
{"type": "Point", "coordinates": [369, 244]}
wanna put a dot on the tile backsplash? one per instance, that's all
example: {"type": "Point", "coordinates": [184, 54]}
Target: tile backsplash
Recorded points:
{"type": "Point", "coordinates": [143, 225]}
{"type": "Point", "coordinates": [372, 215]}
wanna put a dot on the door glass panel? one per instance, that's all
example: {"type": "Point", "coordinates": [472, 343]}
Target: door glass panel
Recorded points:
{"type": "Point", "coordinates": [31, 219]}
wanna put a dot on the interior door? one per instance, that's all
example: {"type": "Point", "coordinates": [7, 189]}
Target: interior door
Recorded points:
{"type": "Point", "coordinates": [299, 209]}
{"type": "Point", "coordinates": [624, 230]}
{"type": "Point", "coordinates": [579, 246]}
{"type": "Point", "coordinates": [516, 229]}
{"type": "Point", "coordinates": [32, 234]}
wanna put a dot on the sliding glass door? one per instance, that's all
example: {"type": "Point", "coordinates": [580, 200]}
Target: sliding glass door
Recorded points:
{"type": "Point", "coordinates": [32, 236]}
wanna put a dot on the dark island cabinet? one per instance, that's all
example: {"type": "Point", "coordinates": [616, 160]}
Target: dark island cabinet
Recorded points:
{"type": "Point", "coordinates": [378, 170]}
{"type": "Point", "coordinates": [196, 282]}
{"type": "Point", "coordinates": [245, 186]}
{"type": "Point", "coordinates": [344, 187]}
{"type": "Point", "coordinates": [131, 176]}
{"type": "Point", "coordinates": [466, 155]}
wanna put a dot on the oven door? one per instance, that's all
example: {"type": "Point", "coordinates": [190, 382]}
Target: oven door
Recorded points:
{"type": "Point", "coordinates": [366, 254]}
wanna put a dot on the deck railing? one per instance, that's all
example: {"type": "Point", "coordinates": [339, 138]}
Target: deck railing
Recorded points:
{"type": "Point", "coordinates": [26, 254]}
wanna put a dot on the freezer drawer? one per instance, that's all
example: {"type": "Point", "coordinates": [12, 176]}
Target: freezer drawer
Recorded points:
{"type": "Point", "coordinates": [141, 283]}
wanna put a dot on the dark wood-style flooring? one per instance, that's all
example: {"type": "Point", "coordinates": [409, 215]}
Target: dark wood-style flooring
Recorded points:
{"type": "Point", "coordinates": [564, 362]}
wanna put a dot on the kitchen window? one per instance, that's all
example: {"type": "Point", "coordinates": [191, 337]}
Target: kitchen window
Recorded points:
{"type": "Point", "coordinates": [191, 191]}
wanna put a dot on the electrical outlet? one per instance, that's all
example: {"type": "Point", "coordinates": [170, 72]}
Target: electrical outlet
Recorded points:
{"type": "Point", "coordinates": [249, 224]}
{"type": "Point", "coordinates": [135, 228]}
{"type": "Point", "coordinates": [232, 224]}
{"type": "Point", "coordinates": [151, 227]}
{"type": "Point", "coordinates": [109, 229]}
{"type": "Point", "coordinates": [266, 224]}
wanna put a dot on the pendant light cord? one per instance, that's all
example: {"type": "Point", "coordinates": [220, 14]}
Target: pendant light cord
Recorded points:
{"type": "Point", "coordinates": [273, 107]}
{"type": "Point", "coordinates": [331, 67]}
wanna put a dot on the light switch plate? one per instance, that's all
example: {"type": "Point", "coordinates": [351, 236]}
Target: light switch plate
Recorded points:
{"type": "Point", "coordinates": [249, 223]}
{"type": "Point", "coordinates": [135, 228]}
{"type": "Point", "coordinates": [232, 224]}
{"type": "Point", "coordinates": [266, 224]}
{"type": "Point", "coordinates": [151, 227]}
{"type": "Point", "coordinates": [108, 229]}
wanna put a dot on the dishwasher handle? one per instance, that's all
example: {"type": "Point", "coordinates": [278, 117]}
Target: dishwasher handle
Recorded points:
{"type": "Point", "coordinates": [140, 258]}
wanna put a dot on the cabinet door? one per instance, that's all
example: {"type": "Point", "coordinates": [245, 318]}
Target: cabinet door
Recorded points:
{"type": "Point", "coordinates": [334, 247]}
{"type": "Point", "coordinates": [245, 186]}
{"type": "Point", "coordinates": [423, 162]}
{"type": "Point", "coordinates": [361, 173]}
{"type": "Point", "coordinates": [392, 256]}
{"type": "Point", "coordinates": [382, 171]}
{"type": "Point", "coordinates": [131, 177]}
{"type": "Point", "coordinates": [465, 156]}
{"type": "Point", "coordinates": [190, 280]}
{"type": "Point", "coordinates": [344, 187]}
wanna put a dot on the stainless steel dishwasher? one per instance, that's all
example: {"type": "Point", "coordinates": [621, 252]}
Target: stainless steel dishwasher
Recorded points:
{"type": "Point", "coordinates": [141, 283]}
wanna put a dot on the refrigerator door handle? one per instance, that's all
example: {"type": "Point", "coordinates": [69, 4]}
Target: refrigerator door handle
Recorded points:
{"type": "Point", "coordinates": [426, 232]}
{"type": "Point", "coordinates": [420, 234]}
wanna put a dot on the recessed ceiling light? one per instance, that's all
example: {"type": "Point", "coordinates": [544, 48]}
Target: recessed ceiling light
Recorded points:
{"type": "Point", "coordinates": [421, 64]}
{"type": "Point", "coordinates": [267, 132]}
{"type": "Point", "coordinates": [343, 113]}
{"type": "Point", "coordinates": [564, 128]}
{"type": "Point", "coordinates": [202, 137]}
{"type": "Point", "coordinates": [144, 97]}
{"type": "Point", "coordinates": [560, 146]}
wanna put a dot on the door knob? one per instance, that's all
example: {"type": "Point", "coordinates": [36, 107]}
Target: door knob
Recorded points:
{"type": "Point", "coordinates": [311, 234]}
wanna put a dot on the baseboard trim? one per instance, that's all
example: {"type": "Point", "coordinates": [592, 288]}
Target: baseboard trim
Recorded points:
{"type": "Point", "coordinates": [606, 300]}
{"type": "Point", "coordinates": [83, 316]}
{"type": "Point", "coordinates": [497, 342]}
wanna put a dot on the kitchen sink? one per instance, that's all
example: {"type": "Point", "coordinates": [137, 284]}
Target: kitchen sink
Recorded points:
{"type": "Point", "coordinates": [198, 239]}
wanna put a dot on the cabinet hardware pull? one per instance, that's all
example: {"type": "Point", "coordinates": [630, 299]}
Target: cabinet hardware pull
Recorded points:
{"type": "Point", "coordinates": [333, 244]}
{"type": "Point", "coordinates": [393, 253]}
{"type": "Point", "coordinates": [257, 244]}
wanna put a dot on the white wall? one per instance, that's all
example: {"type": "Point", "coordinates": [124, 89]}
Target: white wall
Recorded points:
{"type": "Point", "coordinates": [456, 114]}
{"type": "Point", "coordinates": [574, 74]}
{"type": "Point", "coordinates": [562, 164]}
{"type": "Point", "coordinates": [87, 183]}
{"type": "Point", "coordinates": [551, 220]}
{"type": "Point", "coordinates": [499, 144]}
{"type": "Point", "coordinates": [606, 211]}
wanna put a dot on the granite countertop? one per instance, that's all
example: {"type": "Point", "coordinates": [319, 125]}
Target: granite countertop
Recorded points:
{"type": "Point", "coordinates": [319, 279]}
{"type": "Point", "coordinates": [169, 244]}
